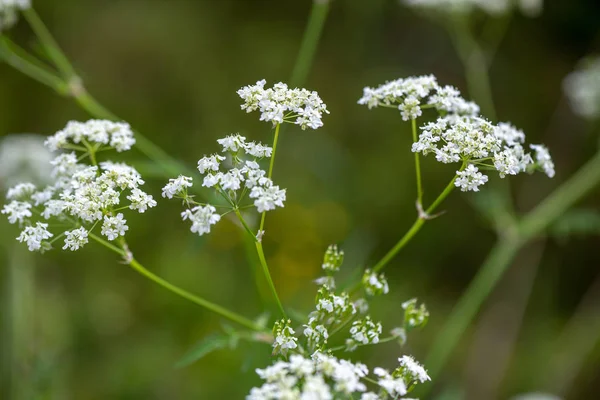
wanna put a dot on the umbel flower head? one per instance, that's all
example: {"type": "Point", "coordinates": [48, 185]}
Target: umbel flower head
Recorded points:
{"type": "Point", "coordinates": [281, 104]}
{"type": "Point", "coordinates": [495, 8]}
{"type": "Point", "coordinates": [235, 175]}
{"type": "Point", "coordinates": [459, 135]}
{"type": "Point", "coordinates": [412, 95]}
{"type": "Point", "coordinates": [305, 367]}
{"type": "Point", "coordinates": [479, 144]}
{"type": "Point", "coordinates": [83, 197]}
{"type": "Point", "coordinates": [582, 87]}
{"type": "Point", "coordinates": [9, 10]}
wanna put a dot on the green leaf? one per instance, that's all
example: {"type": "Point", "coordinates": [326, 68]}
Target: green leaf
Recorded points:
{"type": "Point", "coordinates": [203, 347]}
{"type": "Point", "coordinates": [577, 222]}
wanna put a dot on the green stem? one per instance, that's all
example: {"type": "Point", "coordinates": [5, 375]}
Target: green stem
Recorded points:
{"type": "Point", "coordinates": [416, 227]}
{"type": "Point", "coordinates": [270, 174]}
{"type": "Point", "coordinates": [501, 256]}
{"type": "Point", "coordinates": [468, 305]}
{"type": "Point", "coordinates": [50, 45]}
{"type": "Point", "coordinates": [265, 268]}
{"type": "Point", "coordinates": [310, 41]}
{"type": "Point", "coordinates": [178, 291]}
{"type": "Point", "coordinates": [476, 66]}
{"type": "Point", "coordinates": [417, 164]}
{"type": "Point", "coordinates": [71, 85]}
{"type": "Point", "coordinates": [20, 63]}
{"type": "Point", "coordinates": [244, 224]}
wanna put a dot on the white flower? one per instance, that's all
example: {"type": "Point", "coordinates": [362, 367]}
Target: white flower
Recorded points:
{"type": "Point", "coordinates": [65, 165]}
{"type": "Point", "coordinates": [457, 138]}
{"type": "Point", "coordinates": [176, 186]}
{"type": "Point", "coordinates": [509, 134]}
{"type": "Point", "coordinates": [231, 180]}
{"type": "Point", "coordinates": [210, 163]}
{"type": "Point", "coordinates": [43, 196]}
{"type": "Point", "coordinates": [211, 180]}
{"type": "Point", "coordinates": [374, 284]}
{"type": "Point", "coordinates": [315, 388]}
{"type": "Point", "coordinates": [582, 87]}
{"type": "Point", "coordinates": [394, 386]}
{"type": "Point", "coordinates": [54, 208]}
{"type": "Point", "coordinates": [140, 200]}
{"type": "Point", "coordinates": [113, 227]}
{"type": "Point", "coordinates": [495, 8]}
{"type": "Point", "coordinates": [363, 332]}
{"type": "Point", "coordinates": [17, 211]}
{"type": "Point", "coordinates": [316, 333]}
{"type": "Point", "coordinates": [512, 160]}
{"type": "Point", "coordinates": [34, 235]}
{"type": "Point", "coordinates": [258, 150]}
{"type": "Point", "coordinates": [232, 143]}
{"type": "Point", "coordinates": [284, 337]}
{"type": "Point", "coordinates": [117, 135]}
{"type": "Point", "coordinates": [21, 191]}
{"type": "Point", "coordinates": [448, 99]}
{"type": "Point", "coordinates": [9, 10]}
{"type": "Point", "coordinates": [202, 218]}
{"type": "Point", "coordinates": [267, 198]}
{"type": "Point", "coordinates": [282, 104]}
{"type": "Point", "coordinates": [543, 159]}
{"type": "Point", "coordinates": [369, 396]}
{"type": "Point", "coordinates": [470, 179]}
{"type": "Point", "coordinates": [75, 239]}
{"type": "Point", "coordinates": [413, 369]}
{"type": "Point", "coordinates": [327, 281]}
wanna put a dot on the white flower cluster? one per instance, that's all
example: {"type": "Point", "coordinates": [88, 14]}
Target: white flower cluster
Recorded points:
{"type": "Point", "coordinates": [281, 104]}
{"type": "Point", "coordinates": [322, 377]}
{"type": "Point", "coordinates": [284, 337]}
{"type": "Point", "coordinates": [415, 316]}
{"type": "Point", "coordinates": [364, 332]}
{"type": "Point", "coordinates": [333, 259]}
{"type": "Point", "coordinates": [93, 133]}
{"type": "Point", "coordinates": [244, 177]}
{"type": "Point", "coordinates": [582, 87]}
{"type": "Point", "coordinates": [311, 372]}
{"type": "Point", "coordinates": [399, 382]}
{"type": "Point", "coordinates": [9, 10]}
{"type": "Point", "coordinates": [530, 8]}
{"type": "Point", "coordinates": [81, 195]}
{"type": "Point", "coordinates": [476, 143]}
{"type": "Point", "coordinates": [374, 284]}
{"type": "Point", "coordinates": [412, 95]}
{"type": "Point", "coordinates": [326, 377]}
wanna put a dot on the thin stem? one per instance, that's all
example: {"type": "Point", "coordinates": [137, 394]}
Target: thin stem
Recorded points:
{"type": "Point", "coordinates": [21, 64]}
{"type": "Point", "coordinates": [180, 292]}
{"type": "Point", "coordinates": [447, 190]}
{"type": "Point", "coordinates": [270, 173]}
{"type": "Point", "coordinates": [416, 227]}
{"type": "Point", "coordinates": [265, 268]}
{"type": "Point", "coordinates": [417, 164]}
{"type": "Point", "coordinates": [50, 45]}
{"type": "Point", "coordinates": [310, 41]}
{"type": "Point", "coordinates": [244, 224]}
{"type": "Point", "coordinates": [501, 256]}
{"type": "Point", "coordinates": [468, 305]}
{"type": "Point", "coordinates": [475, 64]}
{"type": "Point", "coordinates": [75, 88]}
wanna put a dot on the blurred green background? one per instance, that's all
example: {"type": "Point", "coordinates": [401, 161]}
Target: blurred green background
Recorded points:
{"type": "Point", "coordinates": [88, 327]}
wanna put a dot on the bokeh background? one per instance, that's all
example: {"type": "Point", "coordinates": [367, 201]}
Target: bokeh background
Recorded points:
{"type": "Point", "coordinates": [87, 327]}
